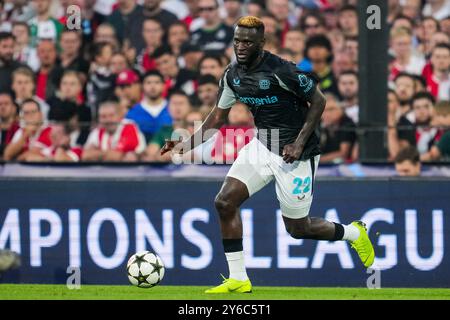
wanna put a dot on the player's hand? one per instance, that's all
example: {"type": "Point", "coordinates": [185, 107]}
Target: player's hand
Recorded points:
{"type": "Point", "coordinates": [171, 144]}
{"type": "Point", "coordinates": [292, 152]}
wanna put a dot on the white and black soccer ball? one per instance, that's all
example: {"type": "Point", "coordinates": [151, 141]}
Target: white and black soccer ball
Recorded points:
{"type": "Point", "coordinates": [145, 269]}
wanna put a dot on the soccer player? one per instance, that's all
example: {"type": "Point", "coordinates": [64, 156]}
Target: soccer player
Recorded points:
{"type": "Point", "coordinates": [287, 106]}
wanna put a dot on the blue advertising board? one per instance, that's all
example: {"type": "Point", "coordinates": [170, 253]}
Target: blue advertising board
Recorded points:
{"type": "Point", "coordinates": [95, 225]}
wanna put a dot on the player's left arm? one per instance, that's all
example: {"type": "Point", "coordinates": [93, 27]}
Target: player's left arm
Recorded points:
{"type": "Point", "coordinates": [293, 151]}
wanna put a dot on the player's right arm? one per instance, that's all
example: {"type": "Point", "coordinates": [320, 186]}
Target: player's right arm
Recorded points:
{"type": "Point", "coordinates": [216, 118]}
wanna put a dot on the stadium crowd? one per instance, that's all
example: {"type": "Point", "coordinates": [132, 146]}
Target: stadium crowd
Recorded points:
{"type": "Point", "coordinates": [138, 70]}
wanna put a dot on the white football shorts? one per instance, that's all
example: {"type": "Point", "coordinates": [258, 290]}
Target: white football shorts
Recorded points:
{"type": "Point", "coordinates": [256, 166]}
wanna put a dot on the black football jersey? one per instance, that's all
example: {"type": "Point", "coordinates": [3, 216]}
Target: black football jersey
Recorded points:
{"type": "Point", "coordinates": [277, 93]}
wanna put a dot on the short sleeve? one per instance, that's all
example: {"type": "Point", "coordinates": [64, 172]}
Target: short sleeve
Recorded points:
{"type": "Point", "coordinates": [292, 79]}
{"type": "Point", "coordinates": [226, 97]}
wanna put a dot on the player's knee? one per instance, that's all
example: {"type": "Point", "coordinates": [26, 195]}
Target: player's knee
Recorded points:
{"type": "Point", "coordinates": [224, 206]}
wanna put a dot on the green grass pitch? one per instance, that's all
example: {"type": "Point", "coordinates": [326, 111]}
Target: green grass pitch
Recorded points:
{"type": "Point", "coordinates": [88, 292]}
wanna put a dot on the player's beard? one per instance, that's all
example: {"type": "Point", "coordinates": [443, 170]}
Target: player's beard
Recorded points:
{"type": "Point", "coordinates": [251, 58]}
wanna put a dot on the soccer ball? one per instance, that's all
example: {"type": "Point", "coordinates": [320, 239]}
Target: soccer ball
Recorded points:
{"type": "Point", "coordinates": [145, 269]}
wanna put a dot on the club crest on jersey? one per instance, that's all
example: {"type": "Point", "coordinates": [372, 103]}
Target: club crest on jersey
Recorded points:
{"type": "Point", "coordinates": [236, 82]}
{"type": "Point", "coordinates": [305, 82]}
{"type": "Point", "coordinates": [264, 84]}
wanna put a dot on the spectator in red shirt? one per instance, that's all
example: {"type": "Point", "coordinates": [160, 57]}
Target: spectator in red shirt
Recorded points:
{"type": "Point", "coordinates": [438, 78]}
{"type": "Point", "coordinates": [8, 120]}
{"type": "Point", "coordinates": [152, 33]}
{"type": "Point", "coordinates": [32, 136]}
{"type": "Point", "coordinates": [115, 139]}
{"type": "Point", "coordinates": [60, 149]}
{"type": "Point", "coordinates": [128, 90]}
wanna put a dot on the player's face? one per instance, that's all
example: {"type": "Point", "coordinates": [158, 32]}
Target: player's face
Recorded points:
{"type": "Point", "coordinates": [247, 44]}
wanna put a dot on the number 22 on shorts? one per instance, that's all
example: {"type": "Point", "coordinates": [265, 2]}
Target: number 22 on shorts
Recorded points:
{"type": "Point", "coordinates": [301, 185]}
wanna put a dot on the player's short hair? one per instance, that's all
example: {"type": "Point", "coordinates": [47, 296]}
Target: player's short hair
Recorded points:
{"type": "Point", "coordinates": [442, 108]}
{"type": "Point", "coordinates": [409, 153]}
{"type": "Point", "coordinates": [251, 22]}
{"type": "Point", "coordinates": [423, 95]}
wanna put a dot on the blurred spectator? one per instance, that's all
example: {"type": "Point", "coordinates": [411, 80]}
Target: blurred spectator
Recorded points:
{"type": "Point", "coordinates": [402, 21]}
{"type": "Point", "coordinates": [405, 59]}
{"type": "Point", "coordinates": [179, 109]}
{"type": "Point", "coordinates": [61, 149]}
{"type": "Point", "coordinates": [312, 24]}
{"type": "Point", "coordinates": [23, 85]}
{"type": "Point", "coordinates": [128, 89]}
{"type": "Point", "coordinates": [208, 88]}
{"type": "Point", "coordinates": [411, 9]}
{"type": "Point", "coordinates": [286, 54]}
{"type": "Point", "coordinates": [67, 98]}
{"type": "Point", "coordinates": [44, 25]}
{"type": "Point", "coordinates": [14, 11]}
{"type": "Point", "coordinates": [152, 33]}
{"type": "Point", "coordinates": [106, 33]}
{"type": "Point", "coordinates": [49, 73]}
{"type": "Point", "coordinates": [32, 137]}
{"type": "Point", "coordinates": [190, 56]}
{"type": "Point", "coordinates": [233, 8]}
{"type": "Point", "coordinates": [338, 133]}
{"type": "Point", "coordinates": [151, 113]}
{"type": "Point", "coordinates": [428, 27]}
{"type": "Point", "coordinates": [271, 27]}
{"type": "Point", "coordinates": [405, 88]}
{"type": "Point", "coordinates": [337, 39]}
{"type": "Point", "coordinates": [280, 10]}
{"type": "Point", "coordinates": [91, 19]}
{"type": "Point", "coordinates": [175, 77]}
{"type": "Point", "coordinates": [127, 23]}
{"type": "Point", "coordinates": [438, 9]}
{"type": "Point", "coordinates": [8, 120]}
{"type": "Point", "coordinates": [101, 80]}
{"type": "Point", "coordinates": [70, 57]}
{"type": "Point", "coordinates": [115, 139]}
{"type": "Point", "coordinates": [348, 86]}
{"type": "Point", "coordinates": [438, 78]}
{"type": "Point", "coordinates": [319, 51]}
{"type": "Point", "coordinates": [254, 7]}
{"type": "Point", "coordinates": [444, 25]}
{"type": "Point", "coordinates": [23, 52]}
{"type": "Point", "coordinates": [394, 9]}
{"type": "Point", "coordinates": [152, 9]}
{"type": "Point", "coordinates": [211, 64]}
{"type": "Point", "coordinates": [351, 47]}
{"type": "Point", "coordinates": [295, 41]}
{"type": "Point", "coordinates": [177, 34]}
{"type": "Point", "coordinates": [441, 149]}
{"type": "Point", "coordinates": [342, 62]}
{"type": "Point", "coordinates": [232, 137]}
{"type": "Point", "coordinates": [7, 62]}
{"type": "Point", "coordinates": [393, 114]}
{"type": "Point", "coordinates": [118, 63]}
{"type": "Point", "coordinates": [272, 44]}
{"type": "Point", "coordinates": [348, 20]}
{"type": "Point", "coordinates": [407, 162]}
{"type": "Point", "coordinates": [418, 133]}
{"type": "Point", "coordinates": [192, 20]}
{"type": "Point", "coordinates": [214, 36]}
